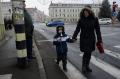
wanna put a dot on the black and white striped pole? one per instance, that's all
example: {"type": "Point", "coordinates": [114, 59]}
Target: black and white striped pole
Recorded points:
{"type": "Point", "coordinates": [18, 20]}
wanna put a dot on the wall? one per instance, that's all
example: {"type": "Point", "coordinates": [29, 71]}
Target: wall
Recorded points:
{"type": "Point", "coordinates": [2, 28]}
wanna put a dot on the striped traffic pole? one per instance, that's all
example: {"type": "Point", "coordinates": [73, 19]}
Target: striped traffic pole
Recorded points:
{"type": "Point", "coordinates": [18, 20]}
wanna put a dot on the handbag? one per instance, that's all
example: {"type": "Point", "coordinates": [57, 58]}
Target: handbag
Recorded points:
{"type": "Point", "coordinates": [100, 47]}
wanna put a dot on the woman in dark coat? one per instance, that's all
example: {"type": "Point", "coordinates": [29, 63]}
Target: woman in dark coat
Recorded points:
{"type": "Point", "coordinates": [29, 28]}
{"type": "Point", "coordinates": [88, 26]}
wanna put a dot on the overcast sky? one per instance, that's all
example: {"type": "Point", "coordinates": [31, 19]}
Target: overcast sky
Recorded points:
{"type": "Point", "coordinates": [44, 4]}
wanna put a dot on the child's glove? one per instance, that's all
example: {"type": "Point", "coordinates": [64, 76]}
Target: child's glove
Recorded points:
{"type": "Point", "coordinates": [71, 40]}
{"type": "Point", "coordinates": [59, 40]}
{"type": "Point", "coordinates": [74, 39]}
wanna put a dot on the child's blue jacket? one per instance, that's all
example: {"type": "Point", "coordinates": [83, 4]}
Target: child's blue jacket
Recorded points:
{"type": "Point", "coordinates": [61, 43]}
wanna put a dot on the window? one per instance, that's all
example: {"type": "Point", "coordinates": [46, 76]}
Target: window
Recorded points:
{"type": "Point", "coordinates": [9, 10]}
{"type": "Point", "coordinates": [63, 15]}
{"type": "Point", "coordinates": [75, 20]}
{"type": "Point", "coordinates": [64, 19]}
{"type": "Point", "coordinates": [64, 10]}
{"type": "Point", "coordinates": [56, 10]}
{"type": "Point", "coordinates": [60, 15]}
{"type": "Point", "coordinates": [60, 10]}
{"type": "Point", "coordinates": [75, 10]}
{"type": "Point", "coordinates": [65, 4]}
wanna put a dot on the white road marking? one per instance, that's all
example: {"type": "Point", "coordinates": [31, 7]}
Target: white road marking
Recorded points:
{"type": "Point", "coordinates": [118, 46]}
{"type": "Point", "coordinates": [110, 34]}
{"type": "Point", "coordinates": [72, 72]}
{"type": "Point", "coordinates": [45, 41]}
{"type": "Point", "coordinates": [6, 76]}
{"type": "Point", "coordinates": [105, 66]}
{"type": "Point", "coordinates": [113, 54]}
{"type": "Point", "coordinates": [40, 29]}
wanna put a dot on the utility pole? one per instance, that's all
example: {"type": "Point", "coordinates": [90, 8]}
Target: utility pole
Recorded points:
{"type": "Point", "coordinates": [18, 20]}
{"type": "Point", "coordinates": [2, 27]}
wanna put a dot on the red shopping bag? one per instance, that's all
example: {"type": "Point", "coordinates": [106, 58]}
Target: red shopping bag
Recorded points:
{"type": "Point", "coordinates": [100, 47]}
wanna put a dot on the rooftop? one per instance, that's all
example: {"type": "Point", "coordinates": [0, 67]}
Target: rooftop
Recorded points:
{"type": "Point", "coordinates": [71, 5]}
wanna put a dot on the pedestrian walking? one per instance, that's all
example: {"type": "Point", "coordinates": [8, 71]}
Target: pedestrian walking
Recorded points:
{"type": "Point", "coordinates": [29, 28]}
{"type": "Point", "coordinates": [60, 40]}
{"type": "Point", "coordinates": [9, 24]}
{"type": "Point", "coordinates": [6, 23]}
{"type": "Point", "coordinates": [89, 28]}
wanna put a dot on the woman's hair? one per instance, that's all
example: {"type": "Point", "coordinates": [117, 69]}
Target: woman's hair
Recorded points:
{"type": "Point", "coordinates": [91, 13]}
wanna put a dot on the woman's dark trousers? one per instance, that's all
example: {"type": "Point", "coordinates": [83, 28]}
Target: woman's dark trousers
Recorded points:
{"type": "Point", "coordinates": [29, 43]}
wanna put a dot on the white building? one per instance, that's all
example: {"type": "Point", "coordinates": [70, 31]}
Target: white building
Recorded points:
{"type": "Point", "coordinates": [69, 13]}
{"type": "Point", "coordinates": [7, 10]}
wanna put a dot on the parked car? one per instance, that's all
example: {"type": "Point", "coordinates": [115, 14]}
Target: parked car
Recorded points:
{"type": "Point", "coordinates": [105, 21]}
{"type": "Point", "coordinates": [55, 23]}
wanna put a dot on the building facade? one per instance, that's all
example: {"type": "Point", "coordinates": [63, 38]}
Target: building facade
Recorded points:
{"type": "Point", "coordinates": [2, 27]}
{"type": "Point", "coordinates": [37, 15]}
{"type": "Point", "coordinates": [7, 10]}
{"type": "Point", "coordinates": [69, 13]}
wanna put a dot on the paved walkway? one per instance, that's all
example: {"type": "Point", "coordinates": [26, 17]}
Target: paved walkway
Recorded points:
{"type": "Point", "coordinates": [8, 60]}
{"type": "Point", "coordinates": [48, 54]}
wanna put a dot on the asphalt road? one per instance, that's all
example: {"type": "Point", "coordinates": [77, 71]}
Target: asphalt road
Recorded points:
{"type": "Point", "coordinates": [104, 65]}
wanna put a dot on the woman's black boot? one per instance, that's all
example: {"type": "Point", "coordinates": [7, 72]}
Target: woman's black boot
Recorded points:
{"type": "Point", "coordinates": [87, 65]}
{"type": "Point", "coordinates": [84, 68]}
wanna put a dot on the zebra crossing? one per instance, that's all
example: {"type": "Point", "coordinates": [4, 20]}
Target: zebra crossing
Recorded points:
{"type": "Point", "coordinates": [117, 46]}
{"type": "Point", "coordinates": [97, 63]}
{"type": "Point", "coordinates": [108, 68]}
{"type": "Point", "coordinates": [6, 76]}
{"type": "Point", "coordinates": [105, 66]}
{"type": "Point", "coordinates": [101, 64]}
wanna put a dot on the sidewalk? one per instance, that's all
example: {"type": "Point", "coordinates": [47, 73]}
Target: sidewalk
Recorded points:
{"type": "Point", "coordinates": [48, 54]}
{"type": "Point", "coordinates": [8, 60]}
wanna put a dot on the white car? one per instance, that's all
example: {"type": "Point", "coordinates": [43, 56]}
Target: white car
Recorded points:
{"type": "Point", "coordinates": [105, 21]}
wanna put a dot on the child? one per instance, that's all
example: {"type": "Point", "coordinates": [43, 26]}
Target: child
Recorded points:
{"type": "Point", "coordinates": [60, 40]}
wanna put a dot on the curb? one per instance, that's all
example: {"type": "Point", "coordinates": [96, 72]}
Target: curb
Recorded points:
{"type": "Point", "coordinates": [39, 61]}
